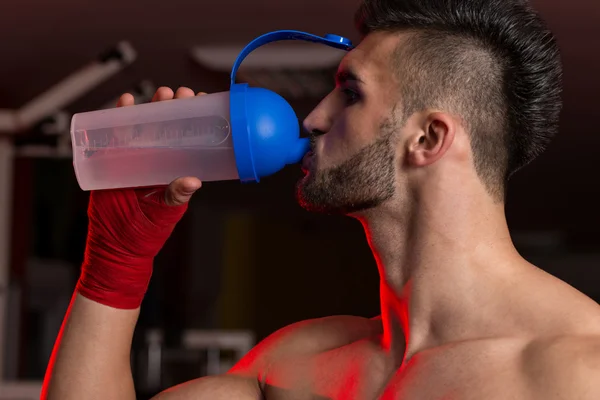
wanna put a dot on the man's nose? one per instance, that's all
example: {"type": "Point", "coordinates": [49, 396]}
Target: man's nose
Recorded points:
{"type": "Point", "coordinates": [316, 123]}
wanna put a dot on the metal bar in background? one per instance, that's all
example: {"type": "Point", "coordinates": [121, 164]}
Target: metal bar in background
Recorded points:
{"type": "Point", "coordinates": [213, 364]}
{"type": "Point", "coordinates": [12, 319]}
{"type": "Point", "coordinates": [68, 90]}
{"type": "Point", "coordinates": [241, 341]}
{"type": "Point", "coordinates": [20, 390]}
{"type": "Point", "coordinates": [8, 121]}
{"type": "Point", "coordinates": [6, 186]}
{"type": "Point", "coordinates": [213, 341]}
{"type": "Point", "coordinates": [21, 208]}
{"type": "Point", "coordinates": [295, 56]}
{"type": "Point", "coordinates": [59, 124]}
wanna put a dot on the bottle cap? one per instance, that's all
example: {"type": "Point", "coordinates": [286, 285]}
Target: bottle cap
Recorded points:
{"type": "Point", "coordinates": [265, 128]}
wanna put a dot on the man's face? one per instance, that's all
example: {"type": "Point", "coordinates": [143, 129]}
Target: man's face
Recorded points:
{"type": "Point", "coordinates": [352, 165]}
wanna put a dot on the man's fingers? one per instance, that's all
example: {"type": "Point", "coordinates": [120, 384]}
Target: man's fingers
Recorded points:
{"type": "Point", "coordinates": [184, 92]}
{"type": "Point", "coordinates": [125, 100]}
{"type": "Point", "coordinates": [163, 93]}
{"type": "Point", "coordinates": [181, 190]}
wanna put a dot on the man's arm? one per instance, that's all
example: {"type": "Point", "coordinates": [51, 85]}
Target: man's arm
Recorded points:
{"type": "Point", "coordinates": [91, 360]}
{"type": "Point", "coordinates": [91, 357]}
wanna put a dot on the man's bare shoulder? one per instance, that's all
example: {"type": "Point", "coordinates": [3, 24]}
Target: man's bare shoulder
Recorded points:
{"type": "Point", "coordinates": [306, 338]}
{"type": "Point", "coordinates": [565, 366]}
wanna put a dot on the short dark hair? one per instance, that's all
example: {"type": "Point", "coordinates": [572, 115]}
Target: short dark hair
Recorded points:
{"type": "Point", "coordinates": [493, 61]}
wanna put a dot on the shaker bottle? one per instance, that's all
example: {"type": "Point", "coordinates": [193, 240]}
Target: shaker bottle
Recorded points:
{"type": "Point", "coordinates": [244, 134]}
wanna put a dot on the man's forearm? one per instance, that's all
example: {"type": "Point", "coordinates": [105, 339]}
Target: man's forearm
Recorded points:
{"type": "Point", "coordinates": [91, 357]}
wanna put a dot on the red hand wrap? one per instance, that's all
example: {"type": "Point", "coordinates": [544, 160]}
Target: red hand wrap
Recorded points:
{"type": "Point", "coordinates": [127, 229]}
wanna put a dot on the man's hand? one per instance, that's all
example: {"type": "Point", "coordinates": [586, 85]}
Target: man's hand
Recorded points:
{"type": "Point", "coordinates": [180, 191]}
{"type": "Point", "coordinates": [127, 229]}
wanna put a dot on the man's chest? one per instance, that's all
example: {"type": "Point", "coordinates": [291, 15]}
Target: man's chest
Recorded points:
{"type": "Point", "coordinates": [354, 373]}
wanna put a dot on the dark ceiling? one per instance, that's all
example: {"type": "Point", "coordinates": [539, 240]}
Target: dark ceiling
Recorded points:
{"type": "Point", "coordinates": [44, 41]}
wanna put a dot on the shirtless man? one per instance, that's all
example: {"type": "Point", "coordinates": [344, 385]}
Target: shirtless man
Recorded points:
{"type": "Point", "coordinates": [439, 104]}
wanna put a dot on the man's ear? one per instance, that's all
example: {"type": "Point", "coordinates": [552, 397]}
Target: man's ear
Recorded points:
{"type": "Point", "coordinates": [432, 141]}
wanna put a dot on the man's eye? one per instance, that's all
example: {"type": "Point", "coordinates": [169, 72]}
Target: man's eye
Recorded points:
{"type": "Point", "coordinates": [351, 96]}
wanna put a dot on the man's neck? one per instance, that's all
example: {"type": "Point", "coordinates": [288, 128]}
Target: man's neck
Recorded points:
{"type": "Point", "coordinates": [443, 268]}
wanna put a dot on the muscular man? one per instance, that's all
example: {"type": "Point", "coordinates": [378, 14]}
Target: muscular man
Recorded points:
{"type": "Point", "coordinates": [442, 101]}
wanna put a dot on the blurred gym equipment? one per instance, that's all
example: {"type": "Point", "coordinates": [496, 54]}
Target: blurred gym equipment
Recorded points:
{"type": "Point", "coordinates": [47, 106]}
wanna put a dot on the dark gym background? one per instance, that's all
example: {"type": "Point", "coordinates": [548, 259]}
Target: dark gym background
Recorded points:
{"type": "Point", "coordinates": [246, 256]}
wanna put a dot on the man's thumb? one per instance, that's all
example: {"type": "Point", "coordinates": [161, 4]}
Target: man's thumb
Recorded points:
{"type": "Point", "coordinates": [181, 190]}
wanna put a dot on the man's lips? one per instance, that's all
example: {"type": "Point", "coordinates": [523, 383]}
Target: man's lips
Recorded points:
{"type": "Point", "coordinates": [307, 161]}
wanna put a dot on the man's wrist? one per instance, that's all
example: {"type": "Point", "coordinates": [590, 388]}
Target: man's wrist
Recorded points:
{"type": "Point", "coordinates": [114, 284]}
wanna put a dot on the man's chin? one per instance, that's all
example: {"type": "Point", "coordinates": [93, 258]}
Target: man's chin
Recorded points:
{"type": "Point", "coordinates": [313, 200]}
{"type": "Point", "coordinates": [319, 200]}
{"type": "Point", "coordinates": [304, 196]}
{"type": "Point", "coordinates": [301, 196]}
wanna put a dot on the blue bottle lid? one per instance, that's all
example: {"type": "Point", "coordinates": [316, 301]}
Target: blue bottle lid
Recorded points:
{"type": "Point", "coordinates": [265, 128]}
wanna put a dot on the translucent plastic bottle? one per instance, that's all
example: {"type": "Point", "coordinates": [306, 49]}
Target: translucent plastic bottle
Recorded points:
{"type": "Point", "coordinates": [153, 144]}
{"type": "Point", "coordinates": [246, 134]}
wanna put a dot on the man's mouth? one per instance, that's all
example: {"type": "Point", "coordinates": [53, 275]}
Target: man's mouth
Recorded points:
{"type": "Point", "coordinates": [307, 162]}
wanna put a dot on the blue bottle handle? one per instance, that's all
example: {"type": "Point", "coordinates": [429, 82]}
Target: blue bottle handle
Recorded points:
{"type": "Point", "coordinates": [335, 41]}
{"type": "Point", "coordinates": [274, 122]}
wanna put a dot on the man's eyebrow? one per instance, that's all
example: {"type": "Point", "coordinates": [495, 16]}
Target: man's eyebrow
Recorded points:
{"type": "Point", "coordinates": [347, 74]}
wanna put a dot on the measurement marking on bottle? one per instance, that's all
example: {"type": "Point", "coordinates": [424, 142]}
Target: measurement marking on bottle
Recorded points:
{"type": "Point", "coordinates": [208, 132]}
